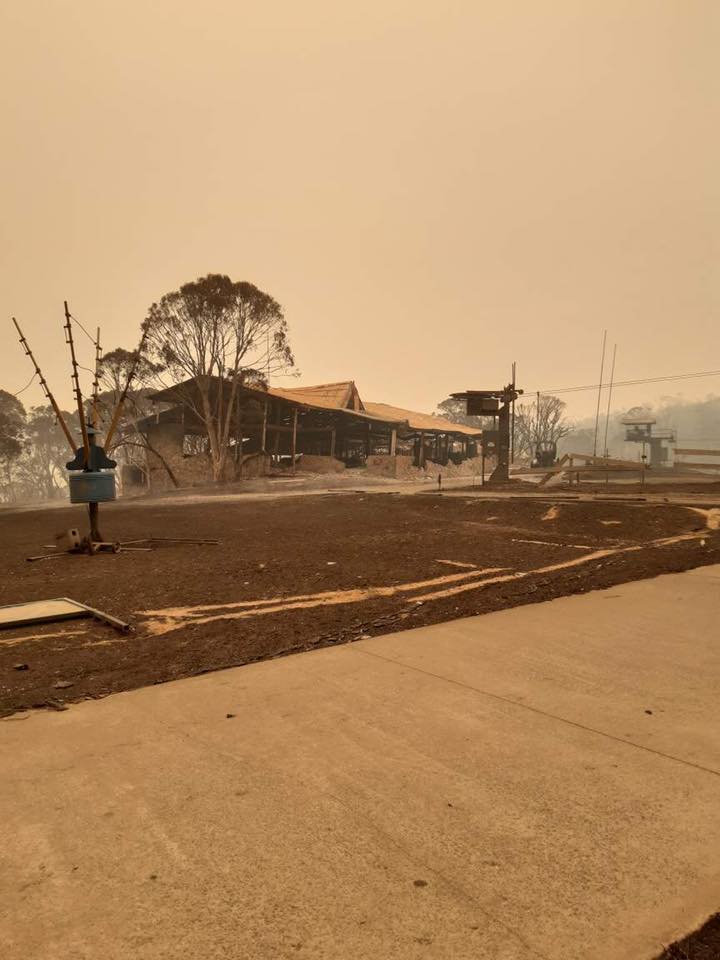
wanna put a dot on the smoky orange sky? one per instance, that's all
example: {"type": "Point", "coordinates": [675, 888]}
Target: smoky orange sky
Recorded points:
{"type": "Point", "coordinates": [431, 190]}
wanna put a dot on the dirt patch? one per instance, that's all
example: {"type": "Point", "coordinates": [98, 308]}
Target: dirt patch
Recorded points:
{"type": "Point", "coordinates": [292, 574]}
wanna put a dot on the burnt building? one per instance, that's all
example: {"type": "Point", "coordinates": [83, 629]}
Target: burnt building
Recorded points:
{"type": "Point", "coordinates": [325, 428]}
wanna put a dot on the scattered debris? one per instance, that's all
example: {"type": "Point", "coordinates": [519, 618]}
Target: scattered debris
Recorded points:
{"type": "Point", "coordinates": [21, 666]}
{"type": "Point", "coordinates": [456, 563]}
{"type": "Point", "coordinates": [552, 513]}
{"type": "Point", "coordinates": [54, 704]}
{"type": "Point", "coordinates": [548, 543]}
{"type": "Point", "coordinates": [230, 716]}
{"type": "Point", "coordinates": [63, 684]}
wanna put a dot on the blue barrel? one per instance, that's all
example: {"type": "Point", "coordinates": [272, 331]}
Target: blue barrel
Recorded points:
{"type": "Point", "coordinates": [92, 486]}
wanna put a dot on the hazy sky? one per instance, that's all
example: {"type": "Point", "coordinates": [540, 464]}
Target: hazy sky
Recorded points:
{"type": "Point", "coordinates": [430, 189]}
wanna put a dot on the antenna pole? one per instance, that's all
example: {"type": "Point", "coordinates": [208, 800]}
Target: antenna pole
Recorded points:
{"type": "Point", "coordinates": [607, 415]}
{"type": "Point", "coordinates": [46, 390]}
{"type": "Point", "coordinates": [597, 413]}
{"type": "Point", "coordinates": [123, 395]}
{"type": "Point", "coordinates": [76, 385]}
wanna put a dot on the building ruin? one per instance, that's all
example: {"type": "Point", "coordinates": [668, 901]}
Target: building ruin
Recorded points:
{"type": "Point", "coordinates": [325, 428]}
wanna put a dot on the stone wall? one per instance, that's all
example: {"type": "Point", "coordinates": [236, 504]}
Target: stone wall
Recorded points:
{"type": "Point", "coordinates": [193, 470]}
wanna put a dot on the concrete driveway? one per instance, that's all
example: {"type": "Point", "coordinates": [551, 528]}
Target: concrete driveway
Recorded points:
{"type": "Point", "coordinates": [543, 782]}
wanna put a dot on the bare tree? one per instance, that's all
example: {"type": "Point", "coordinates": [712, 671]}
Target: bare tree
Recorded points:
{"type": "Point", "coordinates": [130, 442]}
{"type": "Point", "coordinates": [539, 423]}
{"type": "Point", "coordinates": [212, 335]}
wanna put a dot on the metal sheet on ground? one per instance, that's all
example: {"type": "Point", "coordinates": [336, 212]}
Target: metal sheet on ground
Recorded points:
{"type": "Point", "coordinates": [40, 611]}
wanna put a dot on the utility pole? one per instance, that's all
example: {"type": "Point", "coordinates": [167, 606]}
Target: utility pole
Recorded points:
{"type": "Point", "coordinates": [512, 425]}
{"type": "Point", "coordinates": [76, 386]}
{"type": "Point", "coordinates": [96, 382]}
{"type": "Point", "coordinates": [46, 390]}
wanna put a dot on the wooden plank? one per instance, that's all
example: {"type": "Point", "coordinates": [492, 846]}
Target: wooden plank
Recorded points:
{"type": "Point", "coordinates": [590, 468]}
{"type": "Point", "coordinates": [264, 427]}
{"type": "Point", "coordinates": [697, 466]}
{"type": "Point", "coordinates": [596, 468]}
{"type": "Point", "coordinates": [282, 428]}
{"type": "Point", "coordinates": [686, 451]}
{"type": "Point", "coordinates": [294, 439]}
{"type": "Point", "coordinates": [600, 461]}
{"type": "Point", "coordinates": [558, 468]}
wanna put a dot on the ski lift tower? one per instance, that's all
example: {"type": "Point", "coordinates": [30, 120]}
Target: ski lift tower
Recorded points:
{"type": "Point", "coordinates": [91, 473]}
{"type": "Point", "coordinates": [499, 405]}
{"type": "Point", "coordinates": [641, 427]}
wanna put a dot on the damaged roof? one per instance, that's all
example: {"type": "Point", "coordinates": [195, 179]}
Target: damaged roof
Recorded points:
{"type": "Point", "coordinates": [420, 421]}
{"type": "Point", "coordinates": [340, 397]}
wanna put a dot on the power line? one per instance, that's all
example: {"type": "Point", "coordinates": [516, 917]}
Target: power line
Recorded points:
{"type": "Point", "coordinates": [632, 383]}
{"type": "Point", "coordinates": [28, 384]}
{"type": "Point", "coordinates": [88, 335]}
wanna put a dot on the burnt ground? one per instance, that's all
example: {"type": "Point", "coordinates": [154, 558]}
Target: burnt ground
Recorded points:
{"type": "Point", "coordinates": [703, 944]}
{"type": "Point", "coordinates": [304, 572]}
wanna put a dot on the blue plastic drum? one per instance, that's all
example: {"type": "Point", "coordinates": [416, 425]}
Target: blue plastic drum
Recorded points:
{"type": "Point", "coordinates": [92, 486]}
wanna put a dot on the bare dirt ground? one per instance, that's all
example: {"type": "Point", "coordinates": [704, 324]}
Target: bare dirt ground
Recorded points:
{"type": "Point", "coordinates": [294, 573]}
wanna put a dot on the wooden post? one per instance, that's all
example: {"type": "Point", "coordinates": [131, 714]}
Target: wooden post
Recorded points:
{"type": "Point", "coordinates": [393, 442]}
{"type": "Point", "coordinates": [421, 452]}
{"type": "Point", "coordinates": [239, 442]}
{"type": "Point", "coordinates": [332, 442]}
{"type": "Point", "coordinates": [94, 509]}
{"type": "Point", "coordinates": [238, 432]}
{"type": "Point", "coordinates": [294, 439]}
{"type": "Point", "coordinates": [264, 428]}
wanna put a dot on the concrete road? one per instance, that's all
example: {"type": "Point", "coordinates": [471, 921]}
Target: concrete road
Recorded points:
{"type": "Point", "coordinates": [542, 782]}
